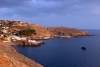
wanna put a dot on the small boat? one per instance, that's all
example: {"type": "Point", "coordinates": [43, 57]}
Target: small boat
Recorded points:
{"type": "Point", "coordinates": [84, 48]}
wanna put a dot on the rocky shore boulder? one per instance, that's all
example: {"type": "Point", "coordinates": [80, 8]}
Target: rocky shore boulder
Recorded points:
{"type": "Point", "coordinates": [10, 58]}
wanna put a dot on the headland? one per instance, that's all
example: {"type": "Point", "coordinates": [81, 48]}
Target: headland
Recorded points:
{"type": "Point", "coordinates": [27, 34]}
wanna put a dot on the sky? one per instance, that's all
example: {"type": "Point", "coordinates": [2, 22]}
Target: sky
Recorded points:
{"type": "Point", "coordinates": [81, 14]}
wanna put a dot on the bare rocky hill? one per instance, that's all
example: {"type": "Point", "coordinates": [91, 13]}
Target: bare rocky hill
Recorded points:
{"type": "Point", "coordinates": [42, 31]}
{"type": "Point", "coordinates": [18, 25]}
{"type": "Point", "coordinates": [67, 31]}
{"type": "Point", "coordinates": [10, 58]}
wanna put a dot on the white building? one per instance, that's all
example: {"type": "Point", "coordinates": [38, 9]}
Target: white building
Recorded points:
{"type": "Point", "coordinates": [19, 38]}
{"type": "Point", "coordinates": [33, 41]}
{"type": "Point", "coordinates": [5, 31]}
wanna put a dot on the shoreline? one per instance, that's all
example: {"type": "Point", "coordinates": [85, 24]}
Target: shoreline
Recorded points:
{"type": "Point", "coordinates": [10, 44]}
{"type": "Point", "coordinates": [37, 44]}
{"type": "Point", "coordinates": [9, 54]}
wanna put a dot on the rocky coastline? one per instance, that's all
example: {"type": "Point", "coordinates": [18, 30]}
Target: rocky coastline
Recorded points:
{"type": "Point", "coordinates": [40, 41]}
{"type": "Point", "coordinates": [26, 34]}
{"type": "Point", "coordinates": [19, 32]}
{"type": "Point", "coordinates": [10, 58]}
{"type": "Point", "coordinates": [31, 44]}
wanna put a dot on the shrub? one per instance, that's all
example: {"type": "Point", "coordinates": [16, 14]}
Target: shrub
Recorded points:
{"type": "Point", "coordinates": [27, 32]}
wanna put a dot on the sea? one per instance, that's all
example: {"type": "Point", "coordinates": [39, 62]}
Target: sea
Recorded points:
{"type": "Point", "coordinates": [63, 52]}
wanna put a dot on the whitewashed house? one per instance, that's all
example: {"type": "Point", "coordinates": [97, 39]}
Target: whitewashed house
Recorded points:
{"type": "Point", "coordinates": [6, 27]}
{"type": "Point", "coordinates": [33, 41]}
{"type": "Point", "coordinates": [5, 31]}
{"type": "Point", "coordinates": [19, 38]}
{"type": "Point", "coordinates": [3, 27]}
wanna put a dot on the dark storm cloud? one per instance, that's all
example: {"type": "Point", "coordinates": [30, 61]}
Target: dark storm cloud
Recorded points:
{"type": "Point", "coordinates": [45, 8]}
{"type": "Point", "coordinates": [31, 8]}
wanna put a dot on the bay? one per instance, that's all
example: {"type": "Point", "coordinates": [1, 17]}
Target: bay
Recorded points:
{"type": "Point", "coordinates": [63, 52]}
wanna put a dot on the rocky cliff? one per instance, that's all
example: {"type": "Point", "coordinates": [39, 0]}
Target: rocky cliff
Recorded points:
{"type": "Point", "coordinates": [10, 58]}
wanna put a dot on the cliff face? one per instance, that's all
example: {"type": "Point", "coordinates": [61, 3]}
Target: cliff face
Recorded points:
{"type": "Point", "coordinates": [10, 58]}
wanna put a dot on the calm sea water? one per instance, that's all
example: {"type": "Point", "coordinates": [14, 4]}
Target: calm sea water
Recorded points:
{"type": "Point", "coordinates": [62, 52]}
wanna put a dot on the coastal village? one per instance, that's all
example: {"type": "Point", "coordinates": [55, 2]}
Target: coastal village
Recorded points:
{"type": "Point", "coordinates": [12, 36]}
{"type": "Point", "coordinates": [25, 33]}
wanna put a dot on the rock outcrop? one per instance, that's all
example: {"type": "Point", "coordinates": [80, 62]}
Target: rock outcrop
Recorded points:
{"type": "Point", "coordinates": [10, 58]}
{"type": "Point", "coordinates": [25, 43]}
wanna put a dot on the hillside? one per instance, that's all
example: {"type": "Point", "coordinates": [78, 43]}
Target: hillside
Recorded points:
{"type": "Point", "coordinates": [13, 26]}
{"type": "Point", "coordinates": [67, 31]}
{"type": "Point", "coordinates": [10, 58]}
{"type": "Point", "coordinates": [18, 25]}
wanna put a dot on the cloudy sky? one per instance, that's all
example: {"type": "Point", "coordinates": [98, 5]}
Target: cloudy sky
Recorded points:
{"type": "Point", "coordinates": [81, 14]}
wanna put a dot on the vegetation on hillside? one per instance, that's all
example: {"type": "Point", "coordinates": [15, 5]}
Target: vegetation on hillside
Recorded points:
{"type": "Point", "coordinates": [27, 32]}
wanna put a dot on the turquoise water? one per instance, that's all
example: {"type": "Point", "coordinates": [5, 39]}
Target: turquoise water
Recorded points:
{"type": "Point", "coordinates": [62, 52]}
